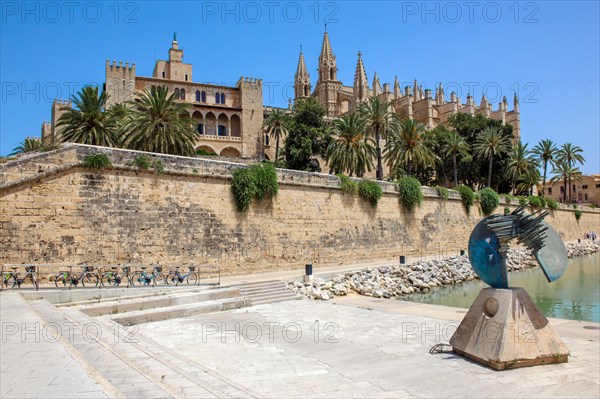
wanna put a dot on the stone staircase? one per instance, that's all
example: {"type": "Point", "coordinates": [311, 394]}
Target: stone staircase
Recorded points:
{"type": "Point", "coordinates": [266, 292]}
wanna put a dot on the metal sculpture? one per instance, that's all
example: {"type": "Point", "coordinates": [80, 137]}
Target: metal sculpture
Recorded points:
{"type": "Point", "coordinates": [504, 328]}
{"type": "Point", "coordinates": [489, 243]}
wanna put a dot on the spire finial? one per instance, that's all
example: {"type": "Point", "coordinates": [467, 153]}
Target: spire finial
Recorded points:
{"type": "Point", "coordinates": [359, 54]}
{"type": "Point", "coordinates": [300, 47]}
{"type": "Point", "coordinates": [325, 26]}
{"type": "Point", "coordinates": [174, 36]}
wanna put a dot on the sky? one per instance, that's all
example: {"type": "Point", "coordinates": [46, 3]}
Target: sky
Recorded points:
{"type": "Point", "coordinates": [546, 51]}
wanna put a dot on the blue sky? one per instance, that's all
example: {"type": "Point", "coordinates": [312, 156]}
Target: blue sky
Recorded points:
{"type": "Point", "coordinates": [548, 51]}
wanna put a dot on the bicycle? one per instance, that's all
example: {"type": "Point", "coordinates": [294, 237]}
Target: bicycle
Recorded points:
{"type": "Point", "coordinates": [112, 278]}
{"type": "Point", "coordinates": [13, 277]}
{"type": "Point", "coordinates": [191, 277]}
{"type": "Point", "coordinates": [88, 276]}
{"type": "Point", "coordinates": [140, 277]}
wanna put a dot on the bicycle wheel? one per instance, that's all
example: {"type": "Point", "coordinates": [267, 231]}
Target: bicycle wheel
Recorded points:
{"type": "Point", "coordinates": [138, 279]}
{"type": "Point", "coordinates": [91, 279]}
{"type": "Point", "coordinates": [107, 279]}
{"type": "Point", "coordinates": [7, 279]}
{"type": "Point", "coordinates": [170, 278]}
{"type": "Point", "coordinates": [61, 279]}
{"type": "Point", "coordinates": [192, 278]}
{"type": "Point", "coordinates": [156, 279]}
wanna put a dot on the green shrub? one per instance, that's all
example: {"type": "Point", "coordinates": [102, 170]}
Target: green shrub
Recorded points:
{"type": "Point", "coordinates": [577, 214]}
{"type": "Point", "coordinates": [506, 210]}
{"type": "Point", "coordinates": [508, 198]}
{"type": "Point", "coordinates": [143, 162]}
{"type": "Point", "coordinates": [256, 182]}
{"type": "Point", "coordinates": [543, 201]}
{"type": "Point", "coordinates": [593, 206]}
{"type": "Point", "coordinates": [370, 190]}
{"type": "Point", "coordinates": [574, 206]}
{"type": "Point", "coordinates": [467, 195]}
{"type": "Point", "coordinates": [476, 196]}
{"type": "Point", "coordinates": [442, 192]}
{"type": "Point", "coordinates": [243, 187]}
{"type": "Point", "coordinates": [347, 185]}
{"type": "Point", "coordinates": [552, 204]}
{"type": "Point", "coordinates": [158, 166]}
{"type": "Point", "coordinates": [522, 200]}
{"type": "Point", "coordinates": [205, 153]}
{"type": "Point", "coordinates": [535, 202]}
{"type": "Point", "coordinates": [410, 191]}
{"type": "Point", "coordinates": [265, 180]}
{"type": "Point", "coordinates": [96, 161]}
{"type": "Point", "coordinates": [489, 200]}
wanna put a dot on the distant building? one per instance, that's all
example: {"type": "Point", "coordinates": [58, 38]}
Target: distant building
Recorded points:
{"type": "Point", "coordinates": [410, 102]}
{"type": "Point", "coordinates": [584, 191]}
{"type": "Point", "coordinates": [229, 119]}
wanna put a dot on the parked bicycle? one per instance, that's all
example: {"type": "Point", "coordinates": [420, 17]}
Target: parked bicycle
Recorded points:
{"type": "Point", "coordinates": [13, 279]}
{"type": "Point", "coordinates": [87, 277]}
{"type": "Point", "coordinates": [140, 277]}
{"type": "Point", "coordinates": [175, 277]}
{"type": "Point", "coordinates": [112, 277]}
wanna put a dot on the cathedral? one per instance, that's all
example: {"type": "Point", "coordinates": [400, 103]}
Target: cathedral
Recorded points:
{"type": "Point", "coordinates": [410, 102]}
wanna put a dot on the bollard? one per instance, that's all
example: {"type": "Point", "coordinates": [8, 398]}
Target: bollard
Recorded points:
{"type": "Point", "coordinates": [462, 252]}
{"type": "Point", "coordinates": [308, 277]}
{"type": "Point", "coordinates": [402, 259]}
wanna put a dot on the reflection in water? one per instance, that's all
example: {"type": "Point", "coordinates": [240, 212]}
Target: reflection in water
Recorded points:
{"type": "Point", "coordinates": [576, 295]}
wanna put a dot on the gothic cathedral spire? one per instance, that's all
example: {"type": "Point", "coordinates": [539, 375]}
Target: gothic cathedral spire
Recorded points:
{"type": "Point", "coordinates": [327, 64]}
{"type": "Point", "coordinates": [361, 85]}
{"type": "Point", "coordinates": [301, 79]}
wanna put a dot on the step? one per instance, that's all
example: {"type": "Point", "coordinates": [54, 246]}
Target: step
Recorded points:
{"type": "Point", "coordinates": [185, 310]}
{"type": "Point", "coordinates": [150, 293]}
{"type": "Point", "coordinates": [274, 300]}
{"type": "Point", "coordinates": [266, 296]}
{"type": "Point", "coordinates": [258, 283]}
{"type": "Point", "coordinates": [260, 290]}
{"type": "Point", "coordinates": [172, 299]}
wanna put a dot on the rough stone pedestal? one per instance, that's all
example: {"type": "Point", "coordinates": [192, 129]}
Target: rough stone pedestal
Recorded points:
{"type": "Point", "coordinates": [504, 329]}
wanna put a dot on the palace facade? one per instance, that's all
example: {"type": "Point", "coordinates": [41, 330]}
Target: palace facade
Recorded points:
{"type": "Point", "coordinates": [229, 119]}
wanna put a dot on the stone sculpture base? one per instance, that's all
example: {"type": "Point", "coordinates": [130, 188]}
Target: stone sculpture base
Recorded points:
{"type": "Point", "coordinates": [504, 329]}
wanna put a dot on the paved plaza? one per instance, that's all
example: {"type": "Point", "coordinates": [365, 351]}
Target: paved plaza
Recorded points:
{"type": "Point", "coordinates": [351, 347]}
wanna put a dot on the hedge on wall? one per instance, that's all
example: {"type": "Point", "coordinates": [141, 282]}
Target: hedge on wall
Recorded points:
{"type": "Point", "coordinates": [442, 192]}
{"type": "Point", "coordinates": [489, 200]}
{"type": "Point", "coordinates": [467, 195]}
{"type": "Point", "coordinates": [370, 190]}
{"type": "Point", "coordinates": [410, 191]}
{"type": "Point", "coordinates": [347, 185]}
{"type": "Point", "coordinates": [257, 182]}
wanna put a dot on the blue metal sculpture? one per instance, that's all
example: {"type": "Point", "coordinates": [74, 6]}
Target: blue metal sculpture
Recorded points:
{"type": "Point", "coordinates": [489, 244]}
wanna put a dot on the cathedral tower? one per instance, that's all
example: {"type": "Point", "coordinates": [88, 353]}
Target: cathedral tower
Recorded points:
{"type": "Point", "coordinates": [301, 80]}
{"type": "Point", "coordinates": [328, 85]}
{"type": "Point", "coordinates": [361, 85]}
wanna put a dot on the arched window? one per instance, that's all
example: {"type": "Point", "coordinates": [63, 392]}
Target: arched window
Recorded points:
{"type": "Point", "coordinates": [176, 93]}
{"type": "Point", "coordinates": [163, 74]}
{"type": "Point", "coordinates": [198, 96]}
{"type": "Point", "coordinates": [182, 94]}
{"type": "Point", "coordinates": [217, 98]}
{"type": "Point", "coordinates": [222, 130]}
{"type": "Point", "coordinates": [267, 139]}
{"type": "Point", "coordinates": [186, 77]}
{"type": "Point", "coordinates": [200, 128]}
{"type": "Point", "coordinates": [203, 96]}
{"type": "Point", "coordinates": [222, 98]}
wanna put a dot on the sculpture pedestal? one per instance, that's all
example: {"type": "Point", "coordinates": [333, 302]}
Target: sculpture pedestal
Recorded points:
{"type": "Point", "coordinates": [504, 329]}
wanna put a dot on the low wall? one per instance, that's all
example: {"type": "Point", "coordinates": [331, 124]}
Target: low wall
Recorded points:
{"type": "Point", "coordinates": [65, 214]}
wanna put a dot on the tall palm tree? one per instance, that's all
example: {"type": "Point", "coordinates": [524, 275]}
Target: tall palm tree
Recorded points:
{"type": "Point", "coordinates": [30, 144]}
{"type": "Point", "coordinates": [563, 171]}
{"type": "Point", "coordinates": [378, 118]}
{"type": "Point", "coordinates": [546, 152]}
{"type": "Point", "coordinates": [571, 154]}
{"type": "Point", "coordinates": [157, 123]}
{"type": "Point", "coordinates": [488, 143]}
{"type": "Point", "coordinates": [119, 113]}
{"type": "Point", "coordinates": [277, 125]}
{"type": "Point", "coordinates": [522, 165]}
{"type": "Point", "coordinates": [407, 145]}
{"type": "Point", "coordinates": [455, 145]}
{"type": "Point", "coordinates": [351, 150]}
{"type": "Point", "coordinates": [87, 122]}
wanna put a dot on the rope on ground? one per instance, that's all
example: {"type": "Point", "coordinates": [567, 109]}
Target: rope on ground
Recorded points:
{"type": "Point", "coordinates": [440, 348]}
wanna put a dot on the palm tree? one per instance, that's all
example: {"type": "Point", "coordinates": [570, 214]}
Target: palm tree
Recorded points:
{"type": "Point", "coordinates": [378, 119]}
{"type": "Point", "coordinates": [407, 145]}
{"type": "Point", "coordinates": [277, 125]}
{"type": "Point", "coordinates": [488, 143]}
{"type": "Point", "coordinates": [119, 113]}
{"type": "Point", "coordinates": [562, 170]}
{"type": "Point", "coordinates": [545, 151]}
{"type": "Point", "coordinates": [455, 145]}
{"type": "Point", "coordinates": [522, 165]}
{"type": "Point", "coordinates": [30, 144]}
{"type": "Point", "coordinates": [88, 123]}
{"type": "Point", "coordinates": [351, 149]}
{"type": "Point", "coordinates": [157, 123]}
{"type": "Point", "coordinates": [571, 154]}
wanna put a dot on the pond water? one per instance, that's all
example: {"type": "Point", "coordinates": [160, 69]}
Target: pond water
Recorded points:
{"type": "Point", "coordinates": [576, 295]}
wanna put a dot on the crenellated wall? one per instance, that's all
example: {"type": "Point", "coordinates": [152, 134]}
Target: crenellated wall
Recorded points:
{"type": "Point", "coordinates": [60, 213]}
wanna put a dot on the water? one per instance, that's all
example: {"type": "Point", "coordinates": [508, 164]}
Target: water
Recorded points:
{"type": "Point", "coordinates": [576, 295]}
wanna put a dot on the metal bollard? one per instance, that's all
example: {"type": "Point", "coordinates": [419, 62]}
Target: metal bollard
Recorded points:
{"type": "Point", "coordinates": [402, 259]}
